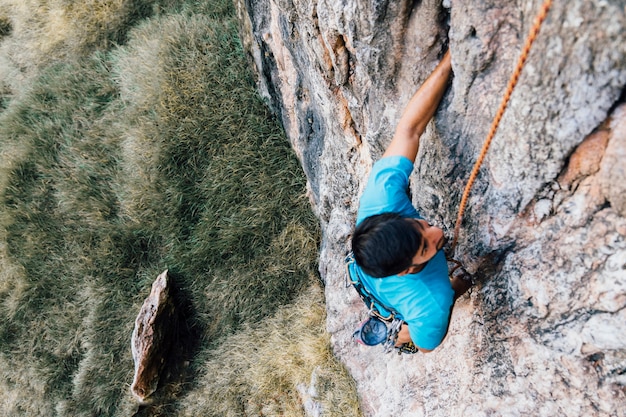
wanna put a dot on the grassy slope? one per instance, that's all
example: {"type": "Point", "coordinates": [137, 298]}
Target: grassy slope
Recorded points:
{"type": "Point", "coordinates": [121, 161]}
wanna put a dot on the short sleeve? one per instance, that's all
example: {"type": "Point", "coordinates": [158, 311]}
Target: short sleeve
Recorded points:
{"type": "Point", "coordinates": [429, 335]}
{"type": "Point", "coordinates": [387, 189]}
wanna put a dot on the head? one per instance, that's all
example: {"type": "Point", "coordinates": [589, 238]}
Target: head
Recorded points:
{"type": "Point", "coordinates": [389, 244]}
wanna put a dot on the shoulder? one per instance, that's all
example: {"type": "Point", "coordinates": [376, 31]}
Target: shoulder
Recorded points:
{"type": "Point", "coordinates": [387, 189]}
{"type": "Point", "coordinates": [398, 163]}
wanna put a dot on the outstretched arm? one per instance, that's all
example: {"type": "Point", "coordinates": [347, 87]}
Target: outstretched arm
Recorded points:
{"type": "Point", "coordinates": [419, 111]}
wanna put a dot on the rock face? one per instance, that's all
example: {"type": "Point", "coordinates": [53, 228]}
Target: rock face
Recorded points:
{"type": "Point", "coordinates": [542, 334]}
{"type": "Point", "coordinates": [152, 338]}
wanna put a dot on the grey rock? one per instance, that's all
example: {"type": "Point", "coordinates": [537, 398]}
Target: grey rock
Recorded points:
{"type": "Point", "coordinates": [614, 165]}
{"type": "Point", "coordinates": [545, 229]}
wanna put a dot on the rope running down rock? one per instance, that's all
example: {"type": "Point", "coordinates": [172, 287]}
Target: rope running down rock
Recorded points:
{"type": "Point", "coordinates": [496, 121]}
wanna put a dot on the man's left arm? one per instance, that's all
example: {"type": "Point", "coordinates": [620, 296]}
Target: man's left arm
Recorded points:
{"type": "Point", "coordinates": [405, 337]}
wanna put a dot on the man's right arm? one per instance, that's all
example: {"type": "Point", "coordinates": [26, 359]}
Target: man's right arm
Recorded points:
{"type": "Point", "coordinates": [419, 111]}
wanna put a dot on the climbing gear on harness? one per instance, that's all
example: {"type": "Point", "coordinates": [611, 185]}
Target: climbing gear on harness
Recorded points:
{"type": "Point", "coordinates": [379, 328]}
{"type": "Point", "coordinates": [375, 331]}
{"type": "Point", "coordinates": [532, 35]}
{"type": "Point", "coordinates": [371, 332]}
{"type": "Point", "coordinates": [367, 297]}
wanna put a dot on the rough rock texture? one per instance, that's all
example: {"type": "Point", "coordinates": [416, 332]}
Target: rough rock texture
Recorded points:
{"type": "Point", "coordinates": [152, 338]}
{"type": "Point", "coordinates": [543, 333]}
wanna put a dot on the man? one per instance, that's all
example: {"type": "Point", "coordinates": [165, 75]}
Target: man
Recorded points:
{"type": "Point", "coordinates": [398, 255]}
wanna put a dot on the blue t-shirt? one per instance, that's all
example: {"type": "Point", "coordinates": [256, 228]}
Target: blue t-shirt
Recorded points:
{"type": "Point", "coordinates": [423, 299]}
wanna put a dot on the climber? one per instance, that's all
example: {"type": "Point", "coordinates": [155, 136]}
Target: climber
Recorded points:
{"type": "Point", "coordinates": [398, 254]}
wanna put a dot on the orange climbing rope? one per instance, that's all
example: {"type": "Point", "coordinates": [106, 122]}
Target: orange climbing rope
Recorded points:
{"type": "Point", "coordinates": [496, 121]}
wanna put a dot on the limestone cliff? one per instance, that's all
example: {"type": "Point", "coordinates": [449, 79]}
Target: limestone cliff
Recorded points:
{"type": "Point", "coordinates": [544, 331]}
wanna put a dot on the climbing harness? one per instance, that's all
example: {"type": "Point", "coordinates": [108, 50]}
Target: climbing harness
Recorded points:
{"type": "Point", "coordinates": [378, 328]}
{"type": "Point", "coordinates": [532, 35]}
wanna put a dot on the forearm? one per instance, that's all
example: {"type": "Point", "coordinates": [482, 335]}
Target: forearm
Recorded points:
{"type": "Point", "coordinates": [424, 103]}
{"type": "Point", "coordinates": [419, 111]}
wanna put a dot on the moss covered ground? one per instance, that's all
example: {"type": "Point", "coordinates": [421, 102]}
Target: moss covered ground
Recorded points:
{"type": "Point", "coordinates": [133, 141]}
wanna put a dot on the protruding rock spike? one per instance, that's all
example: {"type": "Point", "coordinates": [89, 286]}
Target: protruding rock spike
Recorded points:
{"type": "Point", "coordinates": [150, 342]}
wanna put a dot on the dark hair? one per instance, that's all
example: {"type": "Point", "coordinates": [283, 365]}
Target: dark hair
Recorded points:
{"type": "Point", "coordinates": [385, 244]}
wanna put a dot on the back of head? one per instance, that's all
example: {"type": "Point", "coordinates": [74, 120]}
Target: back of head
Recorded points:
{"type": "Point", "coordinates": [384, 244]}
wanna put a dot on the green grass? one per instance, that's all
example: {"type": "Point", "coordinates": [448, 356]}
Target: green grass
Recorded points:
{"type": "Point", "coordinates": [266, 355]}
{"type": "Point", "coordinates": [144, 146]}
